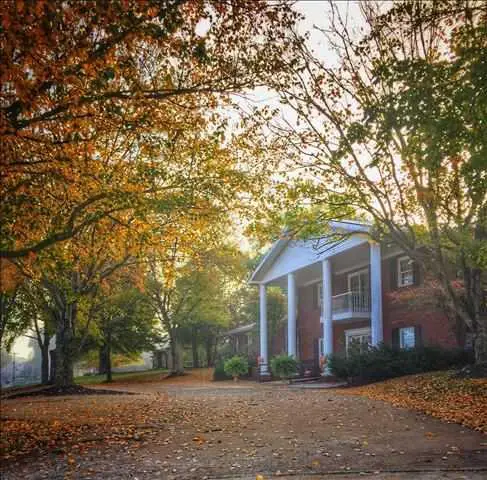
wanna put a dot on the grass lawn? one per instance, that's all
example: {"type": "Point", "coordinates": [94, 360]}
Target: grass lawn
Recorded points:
{"type": "Point", "coordinates": [439, 394]}
{"type": "Point", "coordinates": [137, 376]}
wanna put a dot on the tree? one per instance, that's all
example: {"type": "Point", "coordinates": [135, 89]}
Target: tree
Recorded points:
{"type": "Point", "coordinates": [125, 322]}
{"type": "Point", "coordinates": [206, 311]}
{"type": "Point", "coordinates": [11, 324]}
{"type": "Point", "coordinates": [395, 128]}
{"type": "Point", "coordinates": [189, 288]}
{"type": "Point", "coordinates": [276, 308]}
{"type": "Point", "coordinates": [35, 308]}
{"type": "Point", "coordinates": [93, 93]}
{"type": "Point", "coordinates": [64, 280]}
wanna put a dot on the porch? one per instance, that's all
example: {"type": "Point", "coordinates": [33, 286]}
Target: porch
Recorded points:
{"type": "Point", "coordinates": [349, 289]}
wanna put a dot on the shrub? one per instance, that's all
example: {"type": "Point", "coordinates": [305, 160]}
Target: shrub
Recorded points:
{"type": "Point", "coordinates": [284, 366]}
{"type": "Point", "coordinates": [219, 371]}
{"type": "Point", "coordinates": [379, 363]}
{"type": "Point", "coordinates": [236, 366]}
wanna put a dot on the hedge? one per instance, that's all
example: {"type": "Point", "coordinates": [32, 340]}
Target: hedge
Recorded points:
{"type": "Point", "coordinates": [379, 363]}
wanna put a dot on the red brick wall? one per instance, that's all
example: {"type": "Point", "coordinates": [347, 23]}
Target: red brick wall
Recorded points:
{"type": "Point", "coordinates": [435, 326]}
{"type": "Point", "coordinates": [339, 333]}
{"type": "Point", "coordinates": [308, 322]}
{"type": "Point", "coordinates": [407, 307]}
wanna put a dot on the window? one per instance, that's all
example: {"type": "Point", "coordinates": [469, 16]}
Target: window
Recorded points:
{"type": "Point", "coordinates": [407, 337]}
{"type": "Point", "coordinates": [405, 271]}
{"type": "Point", "coordinates": [357, 339]}
{"type": "Point", "coordinates": [358, 282]}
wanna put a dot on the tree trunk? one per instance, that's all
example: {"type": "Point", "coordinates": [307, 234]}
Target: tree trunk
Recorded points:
{"type": "Point", "coordinates": [45, 360]}
{"type": "Point", "coordinates": [179, 359]}
{"type": "Point", "coordinates": [477, 310]}
{"type": "Point", "coordinates": [210, 354]}
{"type": "Point", "coordinates": [176, 356]}
{"type": "Point", "coordinates": [109, 357]}
{"type": "Point", "coordinates": [194, 348]}
{"type": "Point", "coordinates": [102, 359]}
{"type": "Point", "coordinates": [52, 369]}
{"type": "Point", "coordinates": [65, 348]}
{"type": "Point", "coordinates": [480, 341]}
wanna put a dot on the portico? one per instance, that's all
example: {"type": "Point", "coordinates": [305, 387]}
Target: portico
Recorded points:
{"type": "Point", "coordinates": [294, 265]}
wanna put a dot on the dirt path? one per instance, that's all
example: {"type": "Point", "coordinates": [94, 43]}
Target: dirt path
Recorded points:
{"type": "Point", "coordinates": [216, 430]}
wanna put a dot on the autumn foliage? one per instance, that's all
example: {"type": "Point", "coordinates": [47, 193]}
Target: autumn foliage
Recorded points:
{"type": "Point", "coordinates": [115, 137]}
{"type": "Point", "coordinates": [100, 101]}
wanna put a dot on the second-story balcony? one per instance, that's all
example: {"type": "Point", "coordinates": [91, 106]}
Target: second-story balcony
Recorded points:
{"type": "Point", "coordinates": [351, 305]}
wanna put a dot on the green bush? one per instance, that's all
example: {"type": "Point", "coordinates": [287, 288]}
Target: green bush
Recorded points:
{"type": "Point", "coordinates": [379, 363]}
{"type": "Point", "coordinates": [236, 366]}
{"type": "Point", "coordinates": [284, 366]}
{"type": "Point", "coordinates": [219, 371]}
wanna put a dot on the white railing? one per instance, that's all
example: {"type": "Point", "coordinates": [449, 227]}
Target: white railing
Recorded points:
{"type": "Point", "coordinates": [351, 302]}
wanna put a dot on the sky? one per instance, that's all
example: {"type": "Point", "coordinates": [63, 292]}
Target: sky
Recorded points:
{"type": "Point", "coordinates": [316, 14]}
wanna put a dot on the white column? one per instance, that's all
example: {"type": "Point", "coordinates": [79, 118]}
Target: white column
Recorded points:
{"type": "Point", "coordinates": [264, 360]}
{"type": "Point", "coordinates": [326, 309]}
{"type": "Point", "coordinates": [291, 314]}
{"type": "Point", "coordinates": [376, 293]}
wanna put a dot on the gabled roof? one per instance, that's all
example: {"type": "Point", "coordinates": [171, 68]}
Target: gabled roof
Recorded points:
{"type": "Point", "coordinates": [349, 226]}
{"type": "Point", "coordinates": [276, 248]}
{"type": "Point", "coordinates": [241, 329]}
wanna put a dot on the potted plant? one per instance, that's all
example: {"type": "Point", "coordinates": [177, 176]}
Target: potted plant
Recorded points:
{"type": "Point", "coordinates": [284, 366]}
{"type": "Point", "coordinates": [236, 366]}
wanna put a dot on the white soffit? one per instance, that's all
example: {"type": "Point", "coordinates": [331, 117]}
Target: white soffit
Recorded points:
{"type": "Point", "coordinates": [287, 256]}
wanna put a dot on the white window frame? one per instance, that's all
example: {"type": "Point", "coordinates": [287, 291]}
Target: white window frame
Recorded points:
{"type": "Point", "coordinates": [401, 344]}
{"type": "Point", "coordinates": [320, 294]}
{"type": "Point", "coordinates": [400, 273]}
{"type": "Point", "coordinates": [357, 274]}
{"type": "Point", "coordinates": [354, 332]}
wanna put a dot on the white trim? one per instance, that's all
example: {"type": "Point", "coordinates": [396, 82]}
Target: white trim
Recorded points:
{"type": "Point", "coordinates": [327, 308]}
{"type": "Point", "coordinates": [358, 331]}
{"type": "Point", "coordinates": [351, 269]}
{"type": "Point", "coordinates": [398, 265]}
{"type": "Point", "coordinates": [273, 250]}
{"type": "Point", "coordinates": [310, 282]}
{"type": "Point", "coordinates": [376, 294]}
{"type": "Point", "coordinates": [304, 254]}
{"type": "Point", "coordinates": [365, 264]}
{"type": "Point", "coordinates": [351, 316]}
{"type": "Point", "coordinates": [291, 314]}
{"type": "Point", "coordinates": [263, 333]}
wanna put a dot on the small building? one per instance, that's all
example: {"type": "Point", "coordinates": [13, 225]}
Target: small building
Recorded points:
{"type": "Point", "coordinates": [244, 341]}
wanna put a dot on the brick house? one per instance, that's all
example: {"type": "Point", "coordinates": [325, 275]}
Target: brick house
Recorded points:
{"type": "Point", "coordinates": [352, 293]}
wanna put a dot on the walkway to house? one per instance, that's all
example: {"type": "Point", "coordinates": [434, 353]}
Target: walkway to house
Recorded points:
{"type": "Point", "coordinates": [190, 427]}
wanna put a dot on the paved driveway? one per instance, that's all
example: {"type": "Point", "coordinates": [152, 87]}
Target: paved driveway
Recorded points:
{"type": "Point", "coordinates": [243, 430]}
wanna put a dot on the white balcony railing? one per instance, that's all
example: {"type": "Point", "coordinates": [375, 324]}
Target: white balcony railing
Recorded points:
{"type": "Point", "coordinates": [351, 302]}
